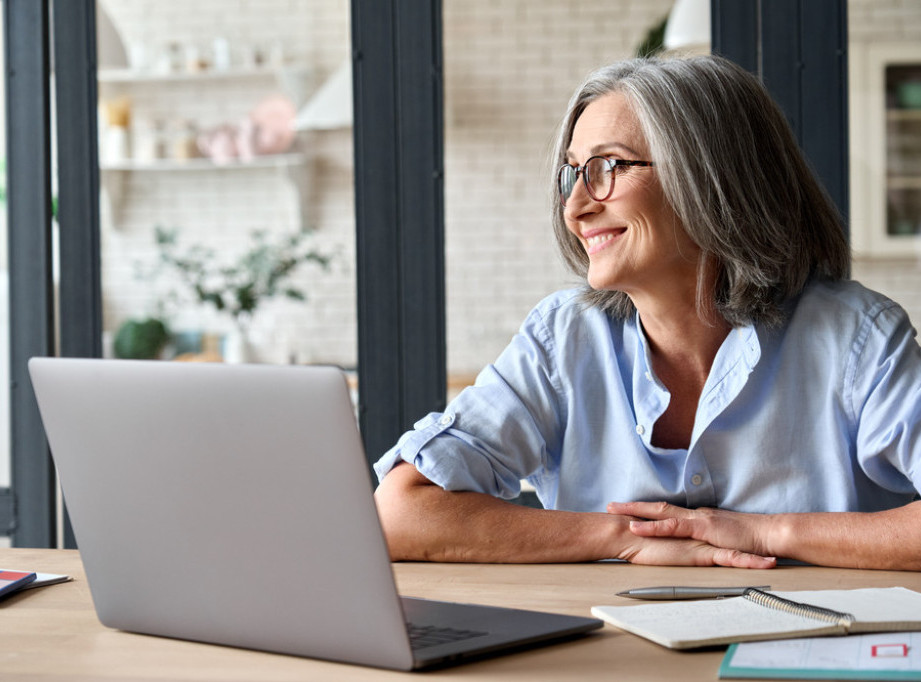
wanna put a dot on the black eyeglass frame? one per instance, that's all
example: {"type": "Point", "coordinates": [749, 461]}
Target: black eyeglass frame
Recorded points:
{"type": "Point", "coordinates": [612, 164]}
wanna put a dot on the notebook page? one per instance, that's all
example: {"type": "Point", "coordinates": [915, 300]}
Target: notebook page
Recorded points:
{"type": "Point", "coordinates": [882, 606]}
{"type": "Point", "coordinates": [709, 622]}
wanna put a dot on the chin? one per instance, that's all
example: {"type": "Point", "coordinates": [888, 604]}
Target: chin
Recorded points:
{"type": "Point", "coordinates": [601, 283]}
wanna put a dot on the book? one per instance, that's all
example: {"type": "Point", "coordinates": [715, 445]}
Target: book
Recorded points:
{"type": "Point", "coordinates": [761, 615]}
{"type": "Point", "coordinates": [37, 580]}
{"type": "Point", "coordinates": [875, 656]}
{"type": "Point", "coordinates": [10, 581]}
{"type": "Point", "coordinates": [43, 579]}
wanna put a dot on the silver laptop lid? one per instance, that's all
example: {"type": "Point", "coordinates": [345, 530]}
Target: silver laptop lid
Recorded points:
{"type": "Point", "coordinates": [227, 504]}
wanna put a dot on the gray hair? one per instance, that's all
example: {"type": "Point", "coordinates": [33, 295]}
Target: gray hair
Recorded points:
{"type": "Point", "coordinates": [732, 172]}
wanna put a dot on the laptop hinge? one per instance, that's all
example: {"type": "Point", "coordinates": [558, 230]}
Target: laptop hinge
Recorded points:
{"type": "Point", "coordinates": [7, 512]}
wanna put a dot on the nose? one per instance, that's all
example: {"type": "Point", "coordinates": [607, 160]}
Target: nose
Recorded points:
{"type": "Point", "coordinates": [580, 203]}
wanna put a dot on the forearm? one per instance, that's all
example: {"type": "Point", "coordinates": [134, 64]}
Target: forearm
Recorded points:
{"type": "Point", "coordinates": [885, 540]}
{"type": "Point", "coordinates": [423, 522]}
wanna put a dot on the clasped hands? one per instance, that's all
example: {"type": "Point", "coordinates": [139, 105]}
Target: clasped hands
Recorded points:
{"type": "Point", "coordinates": [667, 534]}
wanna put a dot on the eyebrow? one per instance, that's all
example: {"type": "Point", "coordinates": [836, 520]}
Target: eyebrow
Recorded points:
{"type": "Point", "coordinates": [607, 147]}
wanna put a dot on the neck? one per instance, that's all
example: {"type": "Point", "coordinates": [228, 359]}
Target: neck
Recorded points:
{"type": "Point", "coordinates": [681, 343]}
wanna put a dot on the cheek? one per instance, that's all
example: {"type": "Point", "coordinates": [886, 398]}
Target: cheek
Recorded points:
{"type": "Point", "coordinates": [572, 226]}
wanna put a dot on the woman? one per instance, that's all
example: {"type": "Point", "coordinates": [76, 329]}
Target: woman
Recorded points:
{"type": "Point", "coordinates": [719, 393]}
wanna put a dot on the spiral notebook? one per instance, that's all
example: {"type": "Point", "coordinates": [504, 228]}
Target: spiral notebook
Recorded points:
{"type": "Point", "coordinates": [760, 615]}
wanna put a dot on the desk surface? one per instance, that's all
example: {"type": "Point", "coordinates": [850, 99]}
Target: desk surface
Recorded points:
{"type": "Point", "coordinates": [52, 633]}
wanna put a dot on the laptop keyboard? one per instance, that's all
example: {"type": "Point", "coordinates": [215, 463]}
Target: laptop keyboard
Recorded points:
{"type": "Point", "coordinates": [421, 636]}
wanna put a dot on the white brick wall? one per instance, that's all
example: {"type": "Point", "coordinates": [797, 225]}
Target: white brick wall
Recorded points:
{"type": "Point", "coordinates": [872, 20]}
{"type": "Point", "coordinates": [510, 69]}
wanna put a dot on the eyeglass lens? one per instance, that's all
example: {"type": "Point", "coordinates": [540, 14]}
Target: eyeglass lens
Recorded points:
{"type": "Point", "coordinates": [598, 175]}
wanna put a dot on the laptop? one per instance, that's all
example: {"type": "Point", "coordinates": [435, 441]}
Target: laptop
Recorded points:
{"type": "Point", "coordinates": [233, 504]}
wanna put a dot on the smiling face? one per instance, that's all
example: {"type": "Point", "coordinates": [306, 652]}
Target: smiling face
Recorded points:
{"type": "Point", "coordinates": [634, 240]}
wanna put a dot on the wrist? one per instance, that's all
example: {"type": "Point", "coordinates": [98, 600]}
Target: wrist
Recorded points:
{"type": "Point", "coordinates": [780, 534]}
{"type": "Point", "coordinates": [618, 542]}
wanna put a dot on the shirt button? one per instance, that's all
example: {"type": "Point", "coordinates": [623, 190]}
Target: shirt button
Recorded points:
{"type": "Point", "coordinates": [640, 429]}
{"type": "Point", "coordinates": [648, 376]}
{"type": "Point", "coordinates": [697, 479]}
{"type": "Point", "coordinates": [445, 420]}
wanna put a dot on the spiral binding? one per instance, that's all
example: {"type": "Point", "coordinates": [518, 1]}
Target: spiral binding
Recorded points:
{"type": "Point", "coordinates": [798, 608]}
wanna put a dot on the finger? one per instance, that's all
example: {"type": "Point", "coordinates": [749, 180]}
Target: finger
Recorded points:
{"type": "Point", "coordinates": [646, 510]}
{"type": "Point", "coordinates": [693, 553]}
{"type": "Point", "coordinates": [664, 528]}
{"type": "Point", "coordinates": [736, 559]}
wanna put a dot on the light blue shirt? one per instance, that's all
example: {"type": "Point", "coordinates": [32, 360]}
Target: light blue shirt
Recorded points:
{"type": "Point", "coordinates": [820, 414]}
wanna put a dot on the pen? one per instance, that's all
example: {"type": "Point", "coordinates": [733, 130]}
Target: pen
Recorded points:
{"type": "Point", "coordinates": [685, 592]}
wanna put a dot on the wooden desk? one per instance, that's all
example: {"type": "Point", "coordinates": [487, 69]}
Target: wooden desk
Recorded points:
{"type": "Point", "coordinates": [52, 633]}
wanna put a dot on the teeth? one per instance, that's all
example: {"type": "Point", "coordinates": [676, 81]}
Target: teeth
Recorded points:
{"type": "Point", "coordinates": [599, 239]}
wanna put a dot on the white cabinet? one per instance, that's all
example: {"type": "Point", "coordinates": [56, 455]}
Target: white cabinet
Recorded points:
{"type": "Point", "coordinates": [885, 141]}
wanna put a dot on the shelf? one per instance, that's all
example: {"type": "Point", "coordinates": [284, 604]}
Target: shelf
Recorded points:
{"type": "Point", "coordinates": [115, 176]}
{"type": "Point", "coordinates": [201, 164]}
{"type": "Point", "coordinates": [135, 76]}
{"type": "Point", "coordinates": [293, 80]}
{"type": "Point", "coordinates": [904, 182]}
{"type": "Point", "coordinates": [903, 114]}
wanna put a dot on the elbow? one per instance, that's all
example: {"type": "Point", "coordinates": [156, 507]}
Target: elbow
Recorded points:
{"type": "Point", "coordinates": [399, 503]}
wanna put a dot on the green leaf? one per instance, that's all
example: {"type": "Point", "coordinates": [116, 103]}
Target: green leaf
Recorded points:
{"type": "Point", "coordinates": [141, 339]}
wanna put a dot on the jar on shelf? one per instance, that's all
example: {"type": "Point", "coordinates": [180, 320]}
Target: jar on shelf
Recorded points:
{"type": "Point", "coordinates": [114, 144]}
{"type": "Point", "coordinates": [183, 140]}
{"type": "Point", "coordinates": [170, 59]}
{"type": "Point", "coordinates": [147, 143]}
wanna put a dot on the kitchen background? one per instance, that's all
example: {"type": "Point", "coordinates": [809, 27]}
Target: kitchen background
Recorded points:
{"type": "Point", "coordinates": [205, 71]}
{"type": "Point", "coordinates": [504, 91]}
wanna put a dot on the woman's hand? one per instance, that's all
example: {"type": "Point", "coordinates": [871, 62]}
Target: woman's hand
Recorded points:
{"type": "Point", "coordinates": [748, 533]}
{"type": "Point", "coordinates": [667, 551]}
{"type": "Point", "coordinates": [889, 539]}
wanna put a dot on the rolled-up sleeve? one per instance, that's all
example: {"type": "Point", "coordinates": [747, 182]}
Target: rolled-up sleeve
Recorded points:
{"type": "Point", "coordinates": [885, 390]}
{"type": "Point", "coordinates": [496, 432]}
{"type": "Point", "coordinates": [411, 442]}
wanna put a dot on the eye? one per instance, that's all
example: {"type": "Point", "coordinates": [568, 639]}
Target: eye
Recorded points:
{"type": "Point", "coordinates": [599, 167]}
{"type": "Point", "coordinates": [626, 169]}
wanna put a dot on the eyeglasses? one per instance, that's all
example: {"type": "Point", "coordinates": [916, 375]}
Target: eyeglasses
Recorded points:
{"type": "Point", "coordinates": [598, 174]}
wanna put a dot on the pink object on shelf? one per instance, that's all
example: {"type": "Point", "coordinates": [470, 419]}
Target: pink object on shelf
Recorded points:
{"type": "Point", "coordinates": [272, 121]}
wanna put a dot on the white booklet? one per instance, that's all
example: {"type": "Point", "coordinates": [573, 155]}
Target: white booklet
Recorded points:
{"type": "Point", "coordinates": [761, 615]}
{"type": "Point", "coordinates": [875, 656]}
{"type": "Point", "coordinates": [43, 579]}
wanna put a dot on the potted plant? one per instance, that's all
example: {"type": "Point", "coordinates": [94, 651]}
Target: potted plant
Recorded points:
{"type": "Point", "coordinates": [237, 288]}
{"type": "Point", "coordinates": [141, 339]}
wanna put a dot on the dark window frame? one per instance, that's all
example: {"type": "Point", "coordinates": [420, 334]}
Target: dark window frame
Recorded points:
{"type": "Point", "coordinates": [31, 305]}
{"type": "Point", "coordinates": [799, 50]}
{"type": "Point", "coordinates": [399, 212]}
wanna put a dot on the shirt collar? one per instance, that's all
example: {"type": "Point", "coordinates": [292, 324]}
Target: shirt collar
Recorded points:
{"type": "Point", "coordinates": [746, 340]}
